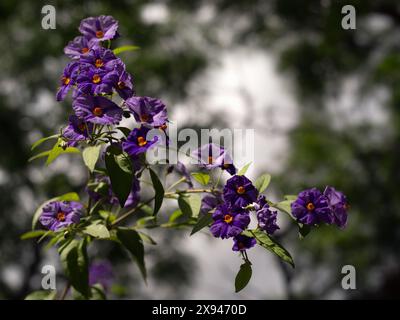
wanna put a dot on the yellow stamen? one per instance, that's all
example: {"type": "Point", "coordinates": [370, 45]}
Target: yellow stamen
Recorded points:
{"type": "Point", "coordinates": [99, 63]}
{"type": "Point", "coordinates": [65, 80]}
{"type": "Point", "coordinates": [228, 218]}
{"type": "Point", "coordinates": [99, 34]}
{"type": "Point", "coordinates": [97, 111]}
{"type": "Point", "coordinates": [141, 141]}
{"type": "Point", "coordinates": [85, 50]}
{"type": "Point", "coordinates": [241, 190]}
{"type": "Point", "coordinates": [96, 78]}
{"type": "Point", "coordinates": [61, 216]}
{"type": "Point", "coordinates": [310, 206]}
{"type": "Point", "coordinates": [121, 85]}
{"type": "Point", "coordinates": [144, 118]}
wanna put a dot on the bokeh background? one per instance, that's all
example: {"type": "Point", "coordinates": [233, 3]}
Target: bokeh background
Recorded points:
{"type": "Point", "coordinates": [324, 103]}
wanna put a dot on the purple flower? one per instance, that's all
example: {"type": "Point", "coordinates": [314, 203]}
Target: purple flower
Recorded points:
{"type": "Point", "coordinates": [209, 202]}
{"type": "Point", "coordinates": [97, 109]}
{"type": "Point", "coordinates": [79, 47]}
{"type": "Point", "coordinates": [213, 156]}
{"type": "Point", "coordinates": [138, 142]}
{"type": "Point", "coordinates": [242, 243]}
{"type": "Point", "coordinates": [99, 28]}
{"type": "Point", "coordinates": [77, 130]}
{"type": "Point", "coordinates": [148, 110]}
{"type": "Point", "coordinates": [92, 80]}
{"type": "Point", "coordinates": [100, 59]}
{"type": "Point", "coordinates": [101, 273]}
{"type": "Point", "coordinates": [265, 216]}
{"type": "Point", "coordinates": [338, 203]}
{"type": "Point", "coordinates": [67, 80]}
{"type": "Point", "coordinates": [239, 191]}
{"type": "Point", "coordinates": [229, 221]}
{"type": "Point", "coordinates": [124, 86]}
{"type": "Point", "coordinates": [60, 214]}
{"type": "Point", "coordinates": [311, 208]}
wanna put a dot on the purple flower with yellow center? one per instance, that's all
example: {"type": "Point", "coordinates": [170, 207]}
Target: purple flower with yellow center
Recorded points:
{"type": "Point", "coordinates": [97, 109]}
{"type": "Point", "coordinates": [79, 47]}
{"type": "Point", "coordinates": [99, 28]}
{"type": "Point", "coordinates": [311, 208]}
{"type": "Point", "coordinates": [138, 141]}
{"type": "Point", "coordinates": [229, 221]}
{"type": "Point", "coordinates": [239, 191]}
{"type": "Point", "coordinates": [338, 203]}
{"type": "Point", "coordinates": [100, 58]}
{"type": "Point", "coordinates": [242, 243]}
{"type": "Point", "coordinates": [67, 80]}
{"type": "Point", "coordinates": [124, 86]}
{"type": "Point", "coordinates": [148, 110]}
{"type": "Point", "coordinates": [101, 273]}
{"type": "Point", "coordinates": [77, 130]}
{"type": "Point", "coordinates": [265, 216]}
{"type": "Point", "coordinates": [59, 214]}
{"type": "Point", "coordinates": [92, 80]}
{"type": "Point", "coordinates": [212, 156]}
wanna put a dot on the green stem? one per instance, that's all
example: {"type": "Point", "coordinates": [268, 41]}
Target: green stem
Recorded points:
{"type": "Point", "coordinates": [130, 212]}
{"type": "Point", "coordinates": [183, 179]}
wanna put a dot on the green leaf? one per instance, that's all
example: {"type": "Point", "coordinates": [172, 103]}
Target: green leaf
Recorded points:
{"type": "Point", "coordinates": [121, 178]}
{"type": "Point", "coordinates": [243, 276]}
{"type": "Point", "coordinates": [40, 141]}
{"type": "Point", "coordinates": [175, 215]}
{"type": "Point", "coordinates": [90, 156]}
{"type": "Point", "coordinates": [75, 263]}
{"type": "Point", "coordinates": [304, 230]}
{"type": "Point", "coordinates": [97, 230]}
{"type": "Point", "coordinates": [202, 178]}
{"type": "Point", "coordinates": [58, 150]}
{"type": "Point", "coordinates": [203, 221]}
{"type": "Point", "coordinates": [125, 48]}
{"type": "Point", "coordinates": [132, 241]}
{"type": "Point", "coordinates": [185, 207]}
{"type": "Point", "coordinates": [194, 201]}
{"type": "Point", "coordinates": [243, 171]}
{"type": "Point", "coordinates": [284, 206]}
{"type": "Point", "coordinates": [268, 243]}
{"type": "Point", "coordinates": [33, 234]}
{"type": "Point", "coordinates": [159, 191]}
{"type": "Point", "coordinates": [143, 221]}
{"type": "Point", "coordinates": [146, 238]}
{"type": "Point", "coordinates": [42, 295]}
{"type": "Point", "coordinates": [262, 182]}
{"type": "Point", "coordinates": [124, 130]}
{"type": "Point", "coordinates": [39, 155]}
{"type": "Point", "coordinates": [71, 196]}
{"type": "Point", "coordinates": [290, 197]}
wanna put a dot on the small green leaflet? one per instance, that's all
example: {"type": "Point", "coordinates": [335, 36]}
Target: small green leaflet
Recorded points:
{"type": "Point", "coordinates": [284, 206]}
{"type": "Point", "coordinates": [243, 276]}
{"type": "Point", "coordinates": [262, 182]}
{"type": "Point", "coordinates": [175, 215]}
{"type": "Point", "coordinates": [268, 243]}
{"type": "Point", "coordinates": [42, 295]}
{"type": "Point", "coordinates": [243, 171]}
{"type": "Point", "coordinates": [71, 196]}
{"type": "Point", "coordinates": [97, 230]}
{"type": "Point", "coordinates": [40, 141]}
{"type": "Point", "coordinates": [132, 241]}
{"type": "Point", "coordinates": [202, 178]}
{"type": "Point", "coordinates": [159, 191]}
{"type": "Point", "coordinates": [119, 50]}
{"type": "Point", "coordinates": [118, 169]}
{"type": "Point", "coordinates": [58, 150]}
{"type": "Point", "coordinates": [190, 204]}
{"type": "Point", "coordinates": [75, 263]}
{"type": "Point", "coordinates": [304, 230]}
{"type": "Point", "coordinates": [203, 221]}
{"type": "Point", "coordinates": [90, 156]}
{"type": "Point", "coordinates": [33, 234]}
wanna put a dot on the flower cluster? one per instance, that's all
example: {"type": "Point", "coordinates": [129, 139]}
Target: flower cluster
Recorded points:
{"type": "Point", "coordinates": [313, 207]}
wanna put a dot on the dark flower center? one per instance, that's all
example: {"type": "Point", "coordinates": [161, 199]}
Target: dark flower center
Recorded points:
{"type": "Point", "coordinates": [210, 160]}
{"type": "Point", "coordinates": [144, 118]}
{"type": "Point", "coordinates": [121, 85]}
{"type": "Point", "coordinates": [99, 63]}
{"type": "Point", "coordinates": [346, 206]}
{"type": "Point", "coordinates": [226, 165]}
{"type": "Point", "coordinates": [97, 111]}
{"type": "Point", "coordinates": [241, 190]}
{"type": "Point", "coordinates": [96, 78]}
{"type": "Point", "coordinates": [310, 206]}
{"type": "Point", "coordinates": [228, 218]}
{"type": "Point", "coordinates": [99, 34]}
{"type": "Point", "coordinates": [164, 127]}
{"type": "Point", "coordinates": [66, 80]}
{"type": "Point", "coordinates": [85, 50]}
{"type": "Point", "coordinates": [82, 127]}
{"type": "Point", "coordinates": [241, 245]}
{"type": "Point", "coordinates": [61, 216]}
{"type": "Point", "coordinates": [141, 141]}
